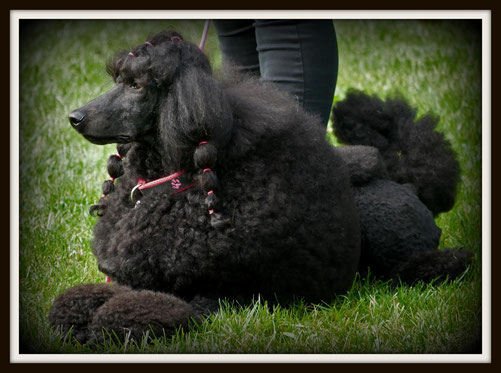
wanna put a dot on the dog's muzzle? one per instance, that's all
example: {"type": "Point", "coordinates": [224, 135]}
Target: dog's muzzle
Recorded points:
{"type": "Point", "coordinates": [76, 118]}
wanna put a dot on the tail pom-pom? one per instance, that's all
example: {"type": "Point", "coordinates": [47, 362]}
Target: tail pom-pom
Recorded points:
{"type": "Point", "coordinates": [414, 152]}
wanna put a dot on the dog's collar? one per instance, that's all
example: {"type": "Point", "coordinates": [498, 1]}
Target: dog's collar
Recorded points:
{"type": "Point", "coordinates": [175, 183]}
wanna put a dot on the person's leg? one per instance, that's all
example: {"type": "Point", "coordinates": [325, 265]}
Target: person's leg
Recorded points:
{"type": "Point", "coordinates": [301, 57]}
{"type": "Point", "coordinates": [237, 40]}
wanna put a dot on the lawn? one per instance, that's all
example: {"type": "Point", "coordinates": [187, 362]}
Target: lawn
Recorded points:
{"type": "Point", "coordinates": [436, 65]}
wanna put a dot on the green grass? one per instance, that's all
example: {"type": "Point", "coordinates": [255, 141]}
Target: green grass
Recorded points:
{"type": "Point", "coordinates": [436, 65]}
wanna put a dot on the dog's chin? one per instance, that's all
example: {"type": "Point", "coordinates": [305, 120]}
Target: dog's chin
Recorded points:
{"type": "Point", "coordinates": [103, 140]}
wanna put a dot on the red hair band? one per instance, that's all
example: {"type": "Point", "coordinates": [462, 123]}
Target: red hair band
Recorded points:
{"type": "Point", "coordinates": [204, 35]}
{"type": "Point", "coordinates": [211, 211]}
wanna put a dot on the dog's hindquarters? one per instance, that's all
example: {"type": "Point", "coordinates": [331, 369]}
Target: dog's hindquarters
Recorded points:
{"type": "Point", "coordinates": [399, 234]}
{"type": "Point", "coordinates": [400, 237]}
{"type": "Point", "coordinates": [413, 151]}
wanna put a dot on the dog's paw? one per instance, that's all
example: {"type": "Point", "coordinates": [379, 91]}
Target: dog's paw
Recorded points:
{"type": "Point", "coordinates": [133, 314]}
{"type": "Point", "coordinates": [74, 309]}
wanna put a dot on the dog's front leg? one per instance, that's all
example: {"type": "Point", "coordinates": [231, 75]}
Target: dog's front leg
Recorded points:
{"type": "Point", "coordinates": [75, 308]}
{"type": "Point", "coordinates": [134, 313]}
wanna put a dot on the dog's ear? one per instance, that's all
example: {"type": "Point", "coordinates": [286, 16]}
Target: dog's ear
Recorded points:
{"type": "Point", "coordinates": [195, 123]}
{"type": "Point", "coordinates": [165, 64]}
{"type": "Point", "coordinates": [195, 108]}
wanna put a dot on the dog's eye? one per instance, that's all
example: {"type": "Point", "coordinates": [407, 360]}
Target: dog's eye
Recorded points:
{"type": "Point", "coordinates": [134, 85]}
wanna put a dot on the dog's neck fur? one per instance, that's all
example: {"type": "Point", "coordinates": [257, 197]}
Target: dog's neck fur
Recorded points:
{"type": "Point", "coordinates": [144, 160]}
{"type": "Point", "coordinates": [148, 159]}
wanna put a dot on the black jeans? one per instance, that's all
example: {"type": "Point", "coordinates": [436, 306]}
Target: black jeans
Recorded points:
{"type": "Point", "coordinates": [300, 56]}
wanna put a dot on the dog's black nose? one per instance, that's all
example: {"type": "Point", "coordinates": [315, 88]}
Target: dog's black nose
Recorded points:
{"type": "Point", "coordinates": [76, 118]}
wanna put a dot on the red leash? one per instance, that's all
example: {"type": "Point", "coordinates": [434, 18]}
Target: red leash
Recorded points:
{"type": "Point", "coordinates": [177, 184]}
{"type": "Point", "coordinates": [204, 35]}
{"type": "Point", "coordinates": [144, 185]}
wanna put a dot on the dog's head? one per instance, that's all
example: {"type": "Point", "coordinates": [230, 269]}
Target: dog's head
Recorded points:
{"type": "Point", "coordinates": [164, 97]}
{"type": "Point", "coordinates": [161, 83]}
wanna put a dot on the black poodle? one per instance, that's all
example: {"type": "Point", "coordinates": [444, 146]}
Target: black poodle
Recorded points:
{"type": "Point", "coordinates": [226, 188]}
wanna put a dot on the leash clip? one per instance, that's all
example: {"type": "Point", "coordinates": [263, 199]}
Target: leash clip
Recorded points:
{"type": "Point", "coordinates": [133, 190]}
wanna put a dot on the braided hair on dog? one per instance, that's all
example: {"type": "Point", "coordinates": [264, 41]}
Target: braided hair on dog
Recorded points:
{"type": "Point", "coordinates": [195, 111]}
{"type": "Point", "coordinates": [205, 158]}
{"type": "Point", "coordinates": [115, 170]}
{"type": "Point", "coordinates": [196, 114]}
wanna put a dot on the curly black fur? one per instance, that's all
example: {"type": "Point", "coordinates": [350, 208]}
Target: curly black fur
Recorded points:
{"type": "Point", "coordinates": [399, 234]}
{"type": "Point", "coordinates": [273, 211]}
{"type": "Point", "coordinates": [413, 151]}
